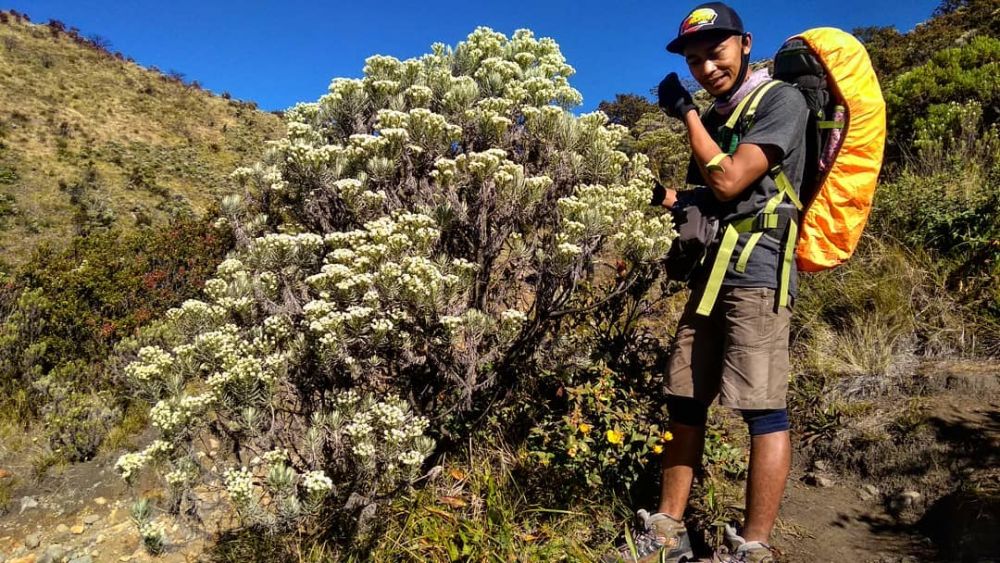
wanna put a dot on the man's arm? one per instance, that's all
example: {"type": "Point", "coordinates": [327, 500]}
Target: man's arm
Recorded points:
{"type": "Point", "coordinates": [727, 176]}
{"type": "Point", "coordinates": [736, 172]}
{"type": "Point", "coordinates": [733, 173]}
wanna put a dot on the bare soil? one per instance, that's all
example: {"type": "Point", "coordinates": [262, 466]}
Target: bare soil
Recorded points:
{"type": "Point", "coordinates": [955, 516]}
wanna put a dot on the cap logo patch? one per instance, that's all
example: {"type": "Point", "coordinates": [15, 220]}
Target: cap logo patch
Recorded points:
{"type": "Point", "coordinates": [698, 19]}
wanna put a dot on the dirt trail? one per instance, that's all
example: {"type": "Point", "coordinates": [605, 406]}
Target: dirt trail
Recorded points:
{"type": "Point", "coordinates": [837, 524]}
{"type": "Point", "coordinates": [957, 516]}
{"type": "Point", "coordinates": [81, 515]}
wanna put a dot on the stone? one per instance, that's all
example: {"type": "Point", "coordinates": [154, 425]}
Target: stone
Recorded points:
{"type": "Point", "coordinates": [27, 503]}
{"type": "Point", "coordinates": [820, 465]}
{"type": "Point", "coordinates": [868, 492]}
{"type": "Point", "coordinates": [53, 554]}
{"type": "Point", "coordinates": [101, 501]}
{"type": "Point", "coordinates": [25, 559]}
{"type": "Point", "coordinates": [822, 481]}
{"type": "Point", "coordinates": [972, 382]}
{"type": "Point", "coordinates": [82, 559]}
{"type": "Point", "coordinates": [904, 500]}
{"type": "Point", "coordinates": [32, 541]}
{"type": "Point", "coordinates": [62, 528]}
{"type": "Point", "coordinates": [99, 539]}
{"type": "Point", "coordinates": [5, 474]}
{"type": "Point", "coordinates": [91, 518]}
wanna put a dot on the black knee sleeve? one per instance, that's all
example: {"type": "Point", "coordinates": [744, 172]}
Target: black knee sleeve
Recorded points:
{"type": "Point", "coordinates": [766, 421]}
{"type": "Point", "coordinates": [687, 411]}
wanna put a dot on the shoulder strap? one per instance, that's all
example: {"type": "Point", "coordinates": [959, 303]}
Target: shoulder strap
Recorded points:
{"type": "Point", "coordinates": [744, 114]}
{"type": "Point", "coordinates": [765, 220]}
{"type": "Point", "coordinates": [747, 108]}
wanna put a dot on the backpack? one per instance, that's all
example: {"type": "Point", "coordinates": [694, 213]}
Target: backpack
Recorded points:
{"type": "Point", "coordinates": [845, 140]}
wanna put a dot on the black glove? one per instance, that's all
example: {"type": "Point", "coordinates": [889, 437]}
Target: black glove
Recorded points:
{"type": "Point", "coordinates": [659, 194]}
{"type": "Point", "coordinates": [674, 98]}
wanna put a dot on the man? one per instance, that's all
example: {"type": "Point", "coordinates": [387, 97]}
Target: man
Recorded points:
{"type": "Point", "coordinates": [732, 339]}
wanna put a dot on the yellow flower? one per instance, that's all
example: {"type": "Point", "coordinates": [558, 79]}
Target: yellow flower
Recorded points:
{"type": "Point", "coordinates": [585, 428]}
{"type": "Point", "coordinates": [667, 436]}
{"type": "Point", "coordinates": [615, 437]}
{"type": "Point", "coordinates": [657, 449]}
{"type": "Point", "coordinates": [571, 452]}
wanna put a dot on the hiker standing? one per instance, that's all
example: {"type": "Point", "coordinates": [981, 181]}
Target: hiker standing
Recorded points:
{"type": "Point", "coordinates": [748, 161]}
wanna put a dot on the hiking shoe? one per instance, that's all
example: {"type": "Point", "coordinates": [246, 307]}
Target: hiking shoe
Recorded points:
{"type": "Point", "coordinates": [739, 550]}
{"type": "Point", "coordinates": [660, 539]}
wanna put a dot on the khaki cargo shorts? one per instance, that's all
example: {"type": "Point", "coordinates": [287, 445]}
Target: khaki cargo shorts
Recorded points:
{"type": "Point", "coordinates": [739, 353]}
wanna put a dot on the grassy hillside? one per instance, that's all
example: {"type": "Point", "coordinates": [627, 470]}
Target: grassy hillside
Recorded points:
{"type": "Point", "coordinates": [90, 139]}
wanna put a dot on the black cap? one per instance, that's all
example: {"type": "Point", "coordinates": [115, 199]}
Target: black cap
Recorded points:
{"type": "Point", "coordinates": [713, 17]}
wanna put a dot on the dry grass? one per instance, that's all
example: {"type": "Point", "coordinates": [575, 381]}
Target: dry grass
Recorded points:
{"type": "Point", "coordinates": [64, 107]}
{"type": "Point", "coordinates": [135, 420]}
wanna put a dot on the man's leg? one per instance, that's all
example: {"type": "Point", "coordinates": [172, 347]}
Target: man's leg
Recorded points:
{"type": "Point", "coordinates": [680, 458]}
{"type": "Point", "coordinates": [755, 381]}
{"type": "Point", "coordinates": [770, 460]}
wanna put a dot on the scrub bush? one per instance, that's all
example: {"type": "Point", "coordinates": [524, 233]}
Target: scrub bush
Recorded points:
{"type": "Point", "coordinates": [413, 256]}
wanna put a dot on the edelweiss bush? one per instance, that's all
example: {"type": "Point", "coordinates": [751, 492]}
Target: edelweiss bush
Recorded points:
{"type": "Point", "coordinates": [406, 256]}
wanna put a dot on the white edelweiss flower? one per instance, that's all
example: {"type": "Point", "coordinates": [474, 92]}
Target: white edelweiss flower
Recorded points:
{"type": "Point", "coordinates": [411, 458]}
{"type": "Point", "coordinates": [317, 483]}
{"type": "Point", "coordinates": [569, 249]}
{"type": "Point", "coordinates": [128, 464]}
{"type": "Point", "coordinates": [276, 456]}
{"type": "Point", "coordinates": [513, 316]}
{"type": "Point", "coordinates": [364, 450]}
{"type": "Point", "coordinates": [239, 484]}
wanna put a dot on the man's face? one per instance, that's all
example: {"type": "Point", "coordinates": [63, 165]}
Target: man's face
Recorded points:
{"type": "Point", "coordinates": [715, 63]}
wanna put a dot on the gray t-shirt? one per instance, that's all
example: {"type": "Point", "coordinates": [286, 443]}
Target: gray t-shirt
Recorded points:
{"type": "Point", "coordinates": [780, 122]}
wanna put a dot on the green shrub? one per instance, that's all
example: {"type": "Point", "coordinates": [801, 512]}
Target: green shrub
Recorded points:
{"type": "Point", "coordinates": [613, 426]}
{"type": "Point", "coordinates": [426, 242]}
{"type": "Point", "coordinates": [954, 22]}
{"type": "Point", "coordinates": [944, 202]}
{"type": "Point", "coordinates": [7, 175]}
{"type": "Point", "coordinates": [68, 306]}
{"type": "Point", "coordinates": [478, 510]}
{"type": "Point", "coordinates": [961, 75]}
{"type": "Point", "coordinates": [76, 423]}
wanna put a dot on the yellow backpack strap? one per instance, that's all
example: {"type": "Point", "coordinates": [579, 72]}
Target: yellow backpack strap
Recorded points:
{"type": "Point", "coordinates": [747, 108]}
{"type": "Point", "coordinates": [718, 273]}
{"type": "Point", "coordinates": [767, 215]}
{"type": "Point", "coordinates": [786, 263]}
{"type": "Point", "coordinates": [744, 112]}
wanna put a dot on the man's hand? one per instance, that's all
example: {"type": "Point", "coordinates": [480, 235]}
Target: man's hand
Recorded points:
{"type": "Point", "coordinates": [664, 197]}
{"type": "Point", "coordinates": [674, 98]}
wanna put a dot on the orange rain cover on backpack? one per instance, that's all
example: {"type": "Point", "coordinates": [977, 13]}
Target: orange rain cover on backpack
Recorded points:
{"type": "Point", "coordinates": [834, 220]}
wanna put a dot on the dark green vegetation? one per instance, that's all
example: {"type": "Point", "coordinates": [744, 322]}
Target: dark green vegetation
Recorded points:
{"type": "Point", "coordinates": [65, 309]}
{"type": "Point", "coordinates": [923, 285]}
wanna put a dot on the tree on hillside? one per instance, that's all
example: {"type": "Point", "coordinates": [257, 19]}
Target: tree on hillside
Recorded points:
{"type": "Point", "coordinates": [954, 23]}
{"type": "Point", "coordinates": [627, 109]}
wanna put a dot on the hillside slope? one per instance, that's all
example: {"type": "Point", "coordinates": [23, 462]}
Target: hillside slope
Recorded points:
{"type": "Point", "coordinates": [89, 139]}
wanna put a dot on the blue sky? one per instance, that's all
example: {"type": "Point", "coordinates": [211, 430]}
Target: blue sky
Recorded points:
{"type": "Point", "coordinates": [280, 53]}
